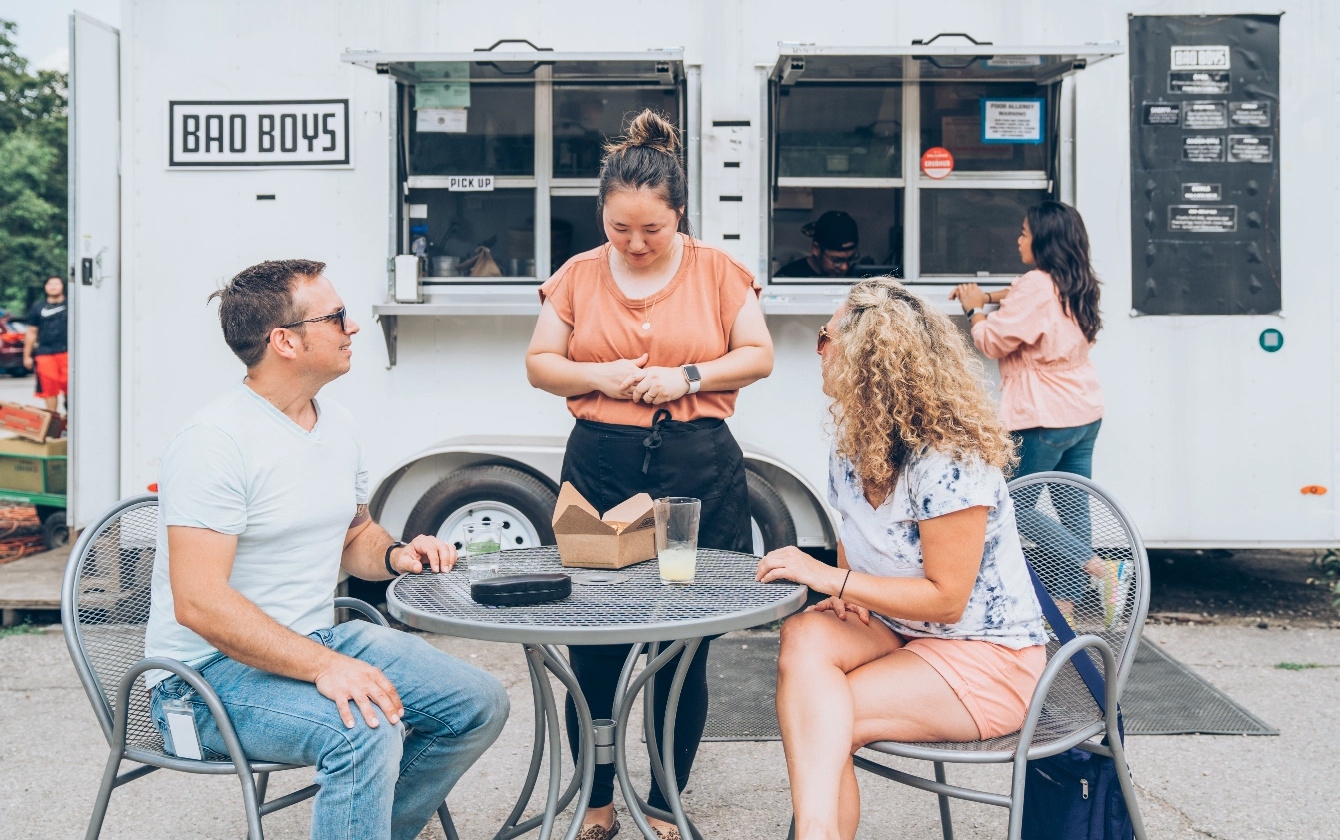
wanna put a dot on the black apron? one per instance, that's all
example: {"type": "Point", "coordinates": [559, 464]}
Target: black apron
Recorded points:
{"type": "Point", "coordinates": [608, 463]}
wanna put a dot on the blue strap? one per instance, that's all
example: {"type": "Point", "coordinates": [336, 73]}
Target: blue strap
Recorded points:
{"type": "Point", "coordinates": [1081, 660]}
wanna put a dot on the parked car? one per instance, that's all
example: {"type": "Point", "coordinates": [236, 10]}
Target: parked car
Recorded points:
{"type": "Point", "coordinates": [12, 334]}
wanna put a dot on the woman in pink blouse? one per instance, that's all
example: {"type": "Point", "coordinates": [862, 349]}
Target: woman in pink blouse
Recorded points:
{"type": "Point", "coordinates": [1050, 398]}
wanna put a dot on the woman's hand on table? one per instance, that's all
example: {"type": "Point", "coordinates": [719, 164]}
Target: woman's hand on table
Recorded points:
{"type": "Point", "coordinates": [790, 563]}
{"type": "Point", "coordinates": [422, 553]}
{"type": "Point", "coordinates": [656, 385]}
{"type": "Point", "coordinates": [841, 608]}
{"type": "Point", "coordinates": [614, 379]}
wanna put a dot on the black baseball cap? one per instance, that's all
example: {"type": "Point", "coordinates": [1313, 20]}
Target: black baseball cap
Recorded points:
{"type": "Point", "coordinates": [834, 231]}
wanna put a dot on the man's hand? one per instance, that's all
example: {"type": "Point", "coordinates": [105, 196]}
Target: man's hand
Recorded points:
{"type": "Point", "coordinates": [28, 362]}
{"type": "Point", "coordinates": [351, 679]}
{"type": "Point", "coordinates": [657, 385]}
{"type": "Point", "coordinates": [422, 552]}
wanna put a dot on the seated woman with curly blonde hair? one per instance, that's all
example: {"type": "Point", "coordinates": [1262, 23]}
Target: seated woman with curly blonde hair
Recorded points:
{"type": "Point", "coordinates": [928, 547]}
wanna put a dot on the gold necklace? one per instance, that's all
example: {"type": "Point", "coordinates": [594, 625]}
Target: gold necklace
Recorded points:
{"type": "Point", "coordinates": [646, 319]}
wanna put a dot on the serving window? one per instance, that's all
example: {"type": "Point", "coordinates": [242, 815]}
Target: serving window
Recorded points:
{"type": "Point", "coordinates": [499, 153]}
{"type": "Point", "coordinates": [849, 130]}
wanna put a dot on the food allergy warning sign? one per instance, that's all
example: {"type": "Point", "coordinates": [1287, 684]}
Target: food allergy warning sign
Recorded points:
{"type": "Point", "coordinates": [1012, 120]}
{"type": "Point", "coordinates": [258, 134]}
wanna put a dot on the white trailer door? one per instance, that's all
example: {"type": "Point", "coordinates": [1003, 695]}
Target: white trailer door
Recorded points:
{"type": "Point", "coordinates": [95, 269]}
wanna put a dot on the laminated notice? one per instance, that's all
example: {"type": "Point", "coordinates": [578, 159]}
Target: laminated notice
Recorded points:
{"type": "Point", "coordinates": [1202, 192]}
{"type": "Point", "coordinates": [1200, 82]}
{"type": "Point", "coordinates": [1206, 115]}
{"type": "Point", "coordinates": [1248, 148]}
{"type": "Point", "coordinates": [1162, 113]}
{"type": "Point", "coordinates": [1203, 148]}
{"type": "Point", "coordinates": [1194, 218]}
{"type": "Point", "coordinates": [1249, 114]}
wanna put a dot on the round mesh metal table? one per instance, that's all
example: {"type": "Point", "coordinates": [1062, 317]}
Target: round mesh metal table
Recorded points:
{"type": "Point", "coordinates": [723, 597]}
{"type": "Point", "coordinates": [659, 619]}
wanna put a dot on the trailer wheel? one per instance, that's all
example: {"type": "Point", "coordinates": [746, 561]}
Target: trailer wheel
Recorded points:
{"type": "Point", "coordinates": [770, 521]}
{"type": "Point", "coordinates": [55, 533]}
{"type": "Point", "coordinates": [516, 501]}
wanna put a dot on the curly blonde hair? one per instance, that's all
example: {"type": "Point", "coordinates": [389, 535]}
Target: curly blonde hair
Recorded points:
{"type": "Point", "coordinates": [903, 377]}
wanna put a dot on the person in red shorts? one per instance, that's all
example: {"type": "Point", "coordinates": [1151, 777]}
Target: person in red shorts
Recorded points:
{"type": "Point", "coordinates": [44, 350]}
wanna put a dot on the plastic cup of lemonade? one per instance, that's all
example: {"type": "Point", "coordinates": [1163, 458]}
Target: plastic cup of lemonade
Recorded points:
{"type": "Point", "coordinates": [481, 549]}
{"type": "Point", "coordinates": [677, 538]}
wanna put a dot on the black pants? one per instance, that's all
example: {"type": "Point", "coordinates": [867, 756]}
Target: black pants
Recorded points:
{"type": "Point", "coordinates": [606, 464]}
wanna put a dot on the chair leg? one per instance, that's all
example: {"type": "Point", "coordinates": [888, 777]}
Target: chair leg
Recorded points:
{"type": "Point", "coordinates": [262, 782]}
{"type": "Point", "coordinates": [104, 796]}
{"type": "Point", "coordinates": [1118, 751]}
{"type": "Point", "coordinates": [448, 827]}
{"type": "Point", "coordinates": [946, 823]}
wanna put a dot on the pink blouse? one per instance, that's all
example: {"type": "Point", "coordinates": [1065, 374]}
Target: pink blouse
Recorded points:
{"type": "Point", "coordinates": [1046, 377]}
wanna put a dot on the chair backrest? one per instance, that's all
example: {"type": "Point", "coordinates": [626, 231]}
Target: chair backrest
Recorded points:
{"type": "Point", "coordinates": [105, 610]}
{"type": "Point", "coordinates": [1087, 551]}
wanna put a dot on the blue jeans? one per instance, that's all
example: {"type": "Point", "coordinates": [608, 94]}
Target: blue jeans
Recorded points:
{"type": "Point", "coordinates": [1065, 545]}
{"type": "Point", "coordinates": [374, 782]}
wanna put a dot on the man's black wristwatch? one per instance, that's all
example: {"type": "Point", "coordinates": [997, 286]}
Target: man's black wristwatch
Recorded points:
{"type": "Point", "coordinates": [386, 560]}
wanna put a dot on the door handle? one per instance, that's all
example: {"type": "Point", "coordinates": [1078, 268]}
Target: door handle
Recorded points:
{"type": "Point", "coordinates": [86, 271]}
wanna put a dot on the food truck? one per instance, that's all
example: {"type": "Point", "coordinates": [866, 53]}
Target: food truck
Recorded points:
{"type": "Point", "coordinates": [442, 160]}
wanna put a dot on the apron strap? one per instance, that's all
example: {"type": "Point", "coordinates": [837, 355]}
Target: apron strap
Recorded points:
{"type": "Point", "coordinates": [653, 440]}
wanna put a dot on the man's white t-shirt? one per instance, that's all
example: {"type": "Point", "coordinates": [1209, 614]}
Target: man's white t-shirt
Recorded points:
{"type": "Point", "coordinates": [240, 466]}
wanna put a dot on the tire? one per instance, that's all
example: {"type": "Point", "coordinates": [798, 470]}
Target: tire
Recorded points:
{"type": "Point", "coordinates": [522, 504]}
{"type": "Point", "coordinates": [772, 521]}
{"type": "Point", "coordinates": [55, 533]}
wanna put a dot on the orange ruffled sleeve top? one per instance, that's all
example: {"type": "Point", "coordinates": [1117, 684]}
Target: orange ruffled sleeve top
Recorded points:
{"type": "Point", "coordinates": [691, 320]}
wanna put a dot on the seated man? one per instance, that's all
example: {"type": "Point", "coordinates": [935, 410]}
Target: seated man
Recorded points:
{"type": "Point", "coordinates": [833, 248]}
{"type": "Point", "coordinates": [263, 500]}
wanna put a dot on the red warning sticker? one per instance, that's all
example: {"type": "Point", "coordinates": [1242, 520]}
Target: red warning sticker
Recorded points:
{"type": "Point", "coordinates": [937, 162]}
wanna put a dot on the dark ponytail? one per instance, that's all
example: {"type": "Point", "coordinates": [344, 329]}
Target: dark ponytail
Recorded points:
{"type": "Point", "coordinates": [1061, 248]}
{"type": "Point", "coordinates": [646, 158]}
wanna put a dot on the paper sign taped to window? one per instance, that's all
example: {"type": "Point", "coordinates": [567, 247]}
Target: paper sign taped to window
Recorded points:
{"type": "Point", "coordinates": [442, 120]}
{"type": "Point", "coordinates": [1012, 120]}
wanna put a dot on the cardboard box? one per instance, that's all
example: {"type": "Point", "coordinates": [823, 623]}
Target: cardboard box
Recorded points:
{"type": "Point", "coordinates": [625, 535]}
{"type": "Point", "coordinates": [30, 421]}
{"type": "Point", "coordinates": [29, 467]}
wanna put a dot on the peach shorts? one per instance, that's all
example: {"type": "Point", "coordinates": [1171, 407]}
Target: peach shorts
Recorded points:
{"type": "Point", "coordinates": [994, 682]}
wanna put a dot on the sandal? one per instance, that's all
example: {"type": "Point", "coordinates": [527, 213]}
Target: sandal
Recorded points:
{"type": "Point", "coordinates": [667, 832]}
{"type": "Point", "coordinates": [598, 832]}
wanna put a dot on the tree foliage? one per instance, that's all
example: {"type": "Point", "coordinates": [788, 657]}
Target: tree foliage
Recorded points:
{"type": "Point", "coordinates": [32, 174]}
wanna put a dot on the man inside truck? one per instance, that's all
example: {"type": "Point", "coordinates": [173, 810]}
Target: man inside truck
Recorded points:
{"type": "Point", "coordinates": [833, 249]}
{"type": "Point", "coordinates": [263, 500]}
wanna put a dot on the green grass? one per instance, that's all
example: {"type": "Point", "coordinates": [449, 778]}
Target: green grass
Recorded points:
{"type": "Point", "coordinates": [19, 630]}
{"type": "Point", "coordinates": [1298, 666]}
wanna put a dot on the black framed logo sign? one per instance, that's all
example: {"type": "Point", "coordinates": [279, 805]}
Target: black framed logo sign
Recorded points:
{"type": "Point", "coordinates": [258, 134]}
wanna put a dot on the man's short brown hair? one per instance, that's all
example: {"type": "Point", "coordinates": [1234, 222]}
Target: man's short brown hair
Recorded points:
{"type": "Point", "coordinates": [259, 299]}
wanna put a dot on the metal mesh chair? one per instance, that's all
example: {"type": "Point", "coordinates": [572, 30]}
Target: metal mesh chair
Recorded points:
{"type": "Point", "coordinates": [104, 612]}
{"type": "Point", "coordinates": [1087, 552]}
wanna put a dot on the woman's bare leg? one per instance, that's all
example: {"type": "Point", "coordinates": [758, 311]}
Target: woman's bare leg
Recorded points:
{"type": "Point", "coordinates": [815, 710]}
{"type": "Point", "coordinates": [900, 697]}
{"type": "Point", "coordinates": [849, 803]}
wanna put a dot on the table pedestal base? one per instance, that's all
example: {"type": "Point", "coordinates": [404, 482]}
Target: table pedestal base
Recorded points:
{"type": "Point", "coordinates": [602, 741]}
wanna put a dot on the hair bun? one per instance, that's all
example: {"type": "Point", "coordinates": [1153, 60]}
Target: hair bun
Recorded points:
{"type": "Point", "coordinates": [650, 130]}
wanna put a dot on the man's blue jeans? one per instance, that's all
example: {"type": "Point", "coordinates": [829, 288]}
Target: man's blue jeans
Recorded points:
{"type": "Point", "coordinates": [1065, 545]}
{"type": "Point", "coordinates": [373, 783]}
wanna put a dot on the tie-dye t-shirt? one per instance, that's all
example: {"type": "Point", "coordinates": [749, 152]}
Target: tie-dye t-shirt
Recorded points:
{"type": "Point", "coordinates": [887, 541]}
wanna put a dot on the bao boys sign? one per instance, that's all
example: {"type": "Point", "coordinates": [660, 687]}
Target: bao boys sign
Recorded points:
{"type": "Point", "coordinates": [256, 134]}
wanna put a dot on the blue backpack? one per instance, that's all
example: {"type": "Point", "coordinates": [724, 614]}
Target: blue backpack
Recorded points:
{"type": "Point", "coordinates": [1075, 795]}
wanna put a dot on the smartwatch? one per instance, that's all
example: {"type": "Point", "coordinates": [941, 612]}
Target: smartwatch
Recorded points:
{"type": "Point", "coordinates": [693, 377]}
{"type": "Point", "coordinates": [970, 313]}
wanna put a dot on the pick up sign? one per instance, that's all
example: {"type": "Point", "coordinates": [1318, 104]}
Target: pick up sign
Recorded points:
{"type": "Point", "coordinates": [258, 134]}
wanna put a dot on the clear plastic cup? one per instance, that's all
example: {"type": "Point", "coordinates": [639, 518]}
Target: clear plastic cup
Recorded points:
{"type": "Point", "coordinates": [677, 538]}
{"type": "Point", "coordinates": [481, 550]}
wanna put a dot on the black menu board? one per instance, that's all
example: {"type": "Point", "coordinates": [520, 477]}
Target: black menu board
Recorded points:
{"type": "Point", "coordinates": [1205, 200]}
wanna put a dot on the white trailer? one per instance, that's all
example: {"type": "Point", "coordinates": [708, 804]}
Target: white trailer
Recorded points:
{"type": "Point", "coordinates": [208, 137]}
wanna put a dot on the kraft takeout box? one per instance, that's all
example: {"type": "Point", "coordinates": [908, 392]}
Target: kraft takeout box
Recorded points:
{"type": "Point", "coordinates": [625, 535]}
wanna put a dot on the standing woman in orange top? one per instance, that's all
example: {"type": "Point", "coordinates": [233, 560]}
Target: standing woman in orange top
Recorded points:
{"type": "Point", "coordinates": [650, 338]}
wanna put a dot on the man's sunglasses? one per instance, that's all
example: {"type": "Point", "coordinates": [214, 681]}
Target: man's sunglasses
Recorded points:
{"type": "Point", "coordinates": [338, 315]}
